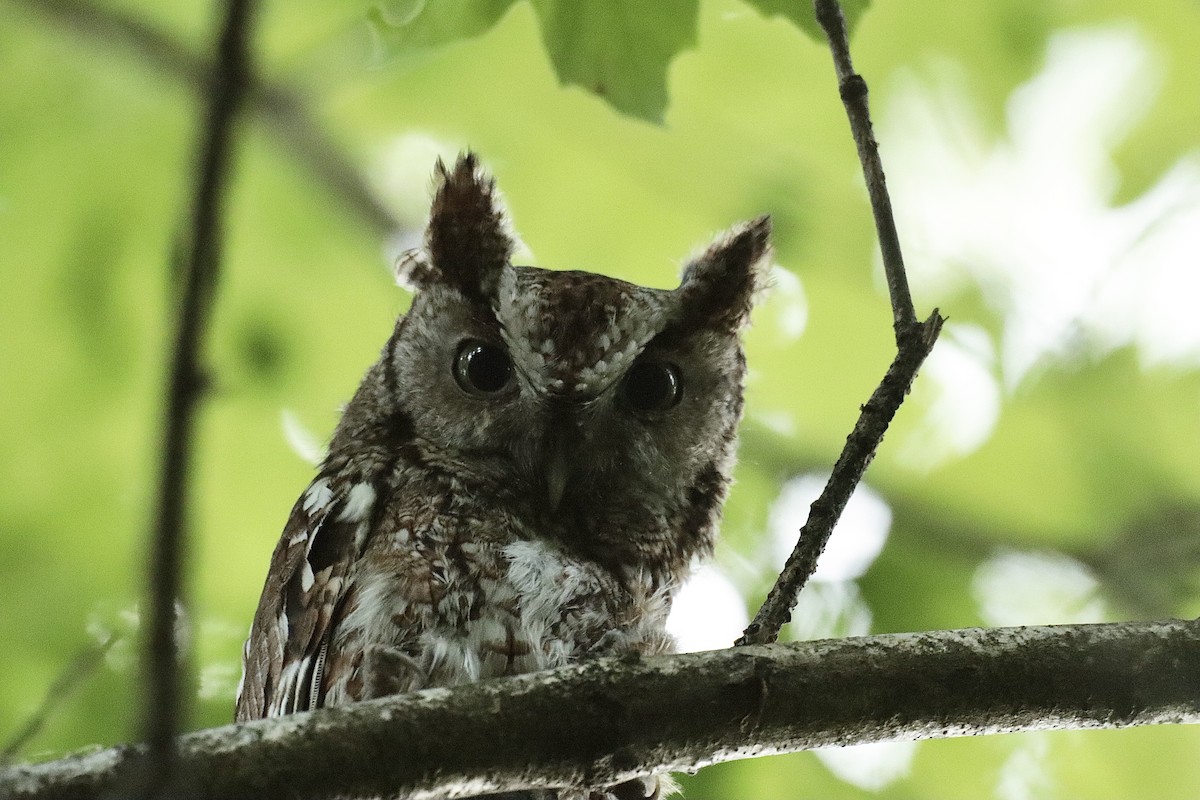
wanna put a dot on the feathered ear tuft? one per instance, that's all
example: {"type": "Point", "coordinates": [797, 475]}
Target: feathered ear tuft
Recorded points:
{"type": "Point", "coordinates": [718, 287]}
{"type": "Point", "coordinates": [467, 241]}
{"type": "Point", "coordinates": [413, 271]}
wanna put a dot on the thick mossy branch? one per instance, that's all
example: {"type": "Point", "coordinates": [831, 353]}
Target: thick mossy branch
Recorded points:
{"type": "Point", "coordinates": [608, 720]}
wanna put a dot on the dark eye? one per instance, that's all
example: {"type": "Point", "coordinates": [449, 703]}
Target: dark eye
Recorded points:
{"type": "Point", "coordinates": [481, 368]}
{"type": "Point", "coordinates": [651, 386]}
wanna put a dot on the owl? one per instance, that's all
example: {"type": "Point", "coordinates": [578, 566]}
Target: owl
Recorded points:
{"type": "Point", "coordinates": [521, 481]}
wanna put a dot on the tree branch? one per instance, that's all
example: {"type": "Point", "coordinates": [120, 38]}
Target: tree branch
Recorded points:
{"type": "Point", "coordinates": [227, 87]}
{"type": "Point", "coordinates": [608, 720]}
{"type": "Point", "coordinates": [853, 91]}
{"type": "Point", "coordinates": [279, 107]}
{"type": "Point", "coordinates": [914, 341]}
{"type": "Point", "coordinates": [80, 667]}
{"type": "Point", "coordinates": [873, 421]}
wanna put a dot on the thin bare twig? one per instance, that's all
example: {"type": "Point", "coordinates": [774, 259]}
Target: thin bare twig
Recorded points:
{"type": "Point", "coordinates": [913, 342]}
{"type": "Point", "coordinates": [860, 448]}
{"type": "Point", "coordinates": [79, 668]}
{"type": "Point", "coordinates": [227, 88]}
{"type": "Point", "coordinates": [853, 91]}
{"type": "Point", "coordinates": [280, 108]}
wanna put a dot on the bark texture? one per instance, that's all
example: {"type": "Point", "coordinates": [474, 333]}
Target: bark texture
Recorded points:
{"type": "Point", "coordinates": [608, 720]}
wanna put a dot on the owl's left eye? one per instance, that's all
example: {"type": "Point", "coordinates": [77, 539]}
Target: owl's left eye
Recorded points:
{"type": "Point", "coordinates": [481, 368]}
{"type": "Point", "coordinates": [651, 386]}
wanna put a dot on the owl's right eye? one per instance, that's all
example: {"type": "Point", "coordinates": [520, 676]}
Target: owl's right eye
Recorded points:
{"type": "Point", "coordinates": [482, 369]}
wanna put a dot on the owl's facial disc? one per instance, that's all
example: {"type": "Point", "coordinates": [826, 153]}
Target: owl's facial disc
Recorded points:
{"type": "Point", "coordinates": [583, 448]}
{"type": "Point", "coordinates": [574, 334]}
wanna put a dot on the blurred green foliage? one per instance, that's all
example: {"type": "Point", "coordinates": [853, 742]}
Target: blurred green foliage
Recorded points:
{"type": "Point", "coordinates": [1092, 455]}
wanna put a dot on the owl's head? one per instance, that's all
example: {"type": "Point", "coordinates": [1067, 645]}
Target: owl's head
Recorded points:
{"type": "Point", "coordinates": [596, 411]}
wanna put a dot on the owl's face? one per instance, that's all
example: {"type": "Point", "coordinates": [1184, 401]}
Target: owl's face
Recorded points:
{"type": "Point", "coordinates": [597, 411]}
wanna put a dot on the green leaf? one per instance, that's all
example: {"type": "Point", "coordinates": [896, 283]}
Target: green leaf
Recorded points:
{"type": "Point", "coordinates": [410, 27]}
{"type": "Point", "coordinates": [801, 14]}
{"type": "Point", "coordinates": [619, 49]}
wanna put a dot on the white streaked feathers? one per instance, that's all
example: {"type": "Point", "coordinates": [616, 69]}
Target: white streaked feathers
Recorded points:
{"type": "Point", "coordinates": [518, 628]}
{"type": "Point", "coordinates": [245, 658]}
{"type": "Point", "coordinates": [359, 502]}
{"type": "Point", "coordinates": [546, 582]}
{"type": "Point", "coordinates": [318, 496]}
{"type": "Point", "coordinates": [306, 576]}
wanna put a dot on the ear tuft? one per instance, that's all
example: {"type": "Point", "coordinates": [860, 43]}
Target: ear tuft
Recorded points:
{"type": "Point", "coordinates": [467, 241]}
{"type": "Point", "coordinates": [718, 287]}
{"type": "Point", "coordinates": [413, 271]}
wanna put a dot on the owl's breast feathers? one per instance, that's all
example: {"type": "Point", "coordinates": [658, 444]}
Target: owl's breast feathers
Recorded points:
{"type": "Point", "coordinates": [372, 593]}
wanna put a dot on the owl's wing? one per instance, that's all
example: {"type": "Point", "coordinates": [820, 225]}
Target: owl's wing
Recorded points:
{"type": "Point", "coordinates": [282, 659]}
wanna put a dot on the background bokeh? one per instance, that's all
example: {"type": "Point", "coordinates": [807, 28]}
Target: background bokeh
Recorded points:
{"type": "Point", "coordinates": [1044, 159]}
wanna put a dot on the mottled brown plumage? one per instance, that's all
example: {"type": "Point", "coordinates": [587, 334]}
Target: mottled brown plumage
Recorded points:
{"type": "Point", "coordinates": [521, 481]}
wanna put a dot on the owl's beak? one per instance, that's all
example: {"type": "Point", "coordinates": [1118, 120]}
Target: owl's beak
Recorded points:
{"type": "Point", "coordinates": [558, 470]}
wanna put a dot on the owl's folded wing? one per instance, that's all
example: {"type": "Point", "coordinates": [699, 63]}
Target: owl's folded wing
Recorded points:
{"type": "Point", "coordinates": [283, 657]}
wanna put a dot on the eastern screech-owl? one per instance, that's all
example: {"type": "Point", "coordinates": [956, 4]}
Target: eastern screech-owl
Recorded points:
{"type": "Point", "coordinates": [521, 481]}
